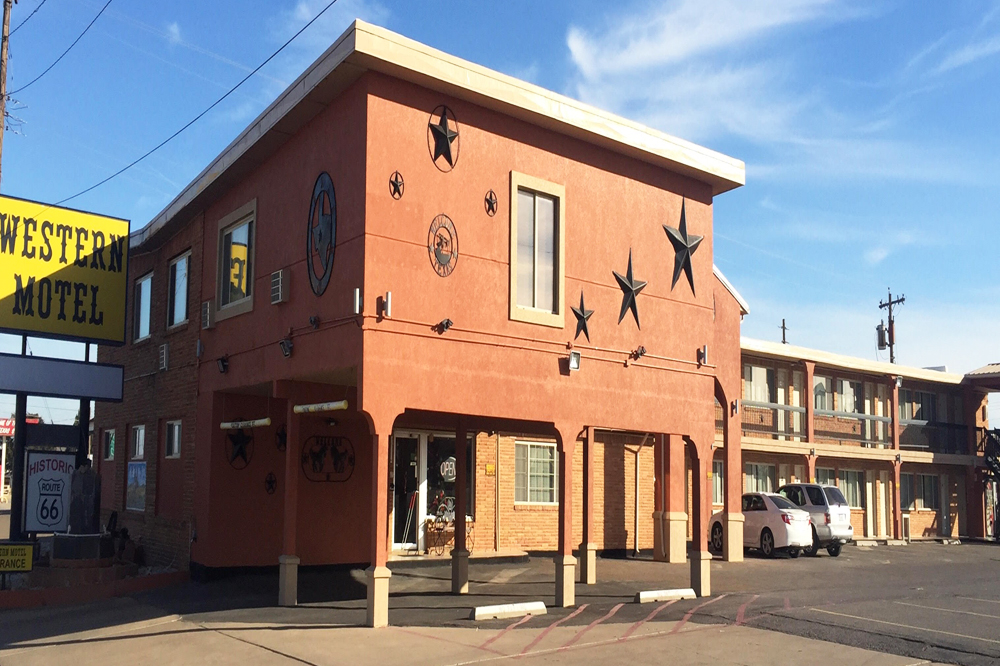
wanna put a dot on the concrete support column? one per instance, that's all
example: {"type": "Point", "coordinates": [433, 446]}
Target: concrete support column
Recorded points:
{"type": "Point", "coordinates": [897, 503]}
{"type": "Point", "coordinates": [460, 554]}
{"type": "Point", "coordinates": [676, 512]}
{"type": "Point", "coordinates": [894, 413]}
{"type": "Point", "coordinates": [701, 489]}
{"type": "Point", "coordinates": [975, 503]}
{"type": "Point", "coordinates": [732, 528]}
{"type": "Point", "coordinates": [378, 573]}
{"type": "Point", "coordinates": [588, 547]}
{"type": "Point", "coordinates": [565, 562]}
{"type": "Point", "coordinates": [661, 535]}
{"type": "Point", "coordinates": [811, 466]}
{"type": "Point", "coordinates": [810, 370]}
{"type": "Point", "coordinates": [288, 563]}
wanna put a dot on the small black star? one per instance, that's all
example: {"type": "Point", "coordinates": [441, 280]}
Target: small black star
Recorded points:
{"type": "Point", "coordinates": [582, 315]}
{"type": "Point", "coordinates": [396, 185]}
{"type": "Point", "coordinates": [444, 136]}
{"type": "Point", "coordinates": [240, 442]}
{"type": "Point", "coordinates": [491, 203]}
{"type": "Point", "coordinates": [630, 289]}
{"type": "Point", "coordinates": [281, 438]}
{"type": "Point", "coordinates": [270, 483]}
{"type": "Point", "coordinates": [684, 248]}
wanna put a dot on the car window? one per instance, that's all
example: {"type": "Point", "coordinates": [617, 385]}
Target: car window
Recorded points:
{"type": "Point", "coordinates": [835, 496]}
{"type": "Point", "coordinates": [757, 503]}
{"type": "Point", "coordinates": [794, 495]}
{"type": "Point", "coordinates": [746, 502]}
{"type": "Point", "coordinates": [815, 496]}
{"type": "Point", "coordinates": [781, 502]}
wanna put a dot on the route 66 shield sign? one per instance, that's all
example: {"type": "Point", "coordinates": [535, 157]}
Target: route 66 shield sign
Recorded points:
{"type": "Point", "coordinates": [47, 490]}
{"type": "Point", "coordinates": [49, 510]}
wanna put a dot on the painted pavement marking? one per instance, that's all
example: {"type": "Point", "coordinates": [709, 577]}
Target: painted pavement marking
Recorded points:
{"type": "Point", "coordinates": [647, 619]}
{"type": "Point", "coordinates": [591, 626]}
{"type": "Point", "coordinates": [743, 609]}
{"type": "Point", "coordinates": [551, 627]}
{"type": "Point", "coordinates": [948, 610]}
{"type": "Point", "coordinates": [687, 616]}
{"type": "Point", "coordinates": [907, 626]}
{"type": "Point", "coordinates": [989, 601]}
{"type": "Point", "coordinates": [504, 631]}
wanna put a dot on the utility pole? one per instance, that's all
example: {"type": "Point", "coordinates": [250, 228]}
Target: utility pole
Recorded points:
{"type": "Point", "coordinates": [7, 6]}
{"type": "Point", "coordinates": [892, 325]}
{"type": "Point", "coordinates": [784, 330]}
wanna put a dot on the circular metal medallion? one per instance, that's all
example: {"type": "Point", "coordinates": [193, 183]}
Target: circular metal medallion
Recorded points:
{"type": "Point", "coordinates": [396, 185]}
{"type": "Point", "coordinates": [443, 138]}
{"type": "Point", "coordinates": [442, 245]}
{"type": "Point", "coordinates": [321, 234]}
{"type": "Point", "coordinates": [491, 203]}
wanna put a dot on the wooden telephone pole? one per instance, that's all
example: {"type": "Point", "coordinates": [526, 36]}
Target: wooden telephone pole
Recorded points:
{"type": "Point", "coordinates": [892, 323]}
{"type": "Point", "coordinates": [7, 6]}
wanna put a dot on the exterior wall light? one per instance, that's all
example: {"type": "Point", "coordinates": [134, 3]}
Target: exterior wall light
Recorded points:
{"type": "Point", "coordinates": [387, 305]}
{"type": "Point", "coordinates": [223, 364]}
{"type": "Point", "coordinates": [899, 381]}
{"type": "Point", "coordinates": [703, 355]}
{"type": "Point", "coordinates": [286, 347]}
{"type": "Point", "coordinates": [638, 353]}
{"type": "Point", "coordinates": [444, 325]}
{"type": "Point", "coordinates": [574, 360]}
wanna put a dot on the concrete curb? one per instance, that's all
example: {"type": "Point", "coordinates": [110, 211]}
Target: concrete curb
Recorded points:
{"type": "Point", "coordinates": [664, 595]}
{"type": "Point", "coordinates": [502, 611]}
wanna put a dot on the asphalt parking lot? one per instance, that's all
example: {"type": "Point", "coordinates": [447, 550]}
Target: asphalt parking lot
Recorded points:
{"type": "Point", "coordinates": [928, 602]}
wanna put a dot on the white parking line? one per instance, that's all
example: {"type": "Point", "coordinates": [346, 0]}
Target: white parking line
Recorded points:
{"type": "Point", "coordinates": [989, 601]}
{"type": "Point", "coordinates": [906, 626]}
{"type": "Point", "coordinates": [948, 610]}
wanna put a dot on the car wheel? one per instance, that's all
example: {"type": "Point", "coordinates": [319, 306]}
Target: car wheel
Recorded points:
{"type": "Point", "coordinates": [834, 550]}
{"type": "Point", "coordinates": [793, 553]}
{"type": "Point", "coordinates": [767, 543]}
{"type": "Point", "coordinates": [717, 538]}
{"type": "Point", "coordinates": [813, 550]}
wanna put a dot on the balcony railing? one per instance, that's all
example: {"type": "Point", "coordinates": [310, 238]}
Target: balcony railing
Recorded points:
{"type": "Point", "coordinates": [934, 437]}
{"type": "Point", "coordinates": [770, 420]}
{"type": "Point", "coordinates": [853, 429]}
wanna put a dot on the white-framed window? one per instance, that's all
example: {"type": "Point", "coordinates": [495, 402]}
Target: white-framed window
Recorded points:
{"type": "Point", "coordinates": [826, 476]}
{"type": "Point", "coordinates": [109, 444]}
{"type": "Point", "coordinates": [140, 307]}
{"type": "Point", "coordinates": [928, 495]}
{"type": "Point", "coordinates": [822, 393]}
{"type": "Point", "coordinates": [850, 397]}
{"type": "Point", "coordinates": [138, 442]}
{"type": "Point", "coordinates": [177, 295]}
{"type": "Point", "coordinates": [759, 384]}
{"type": "Point", "coordinates": [851, 484]}
{"type": "Point", "coordinates": [172, 441]}
{"type": "Point", "coordinates": [237, 262]}
{"type": "Point", "coordinates": [718, 482]}
{"type": "Point", "coordinates": [907, 500]}
{"type": "Point", "coordinates": [537, 271]}
{"type": "Point", "coordinates": [536, 473]}
{"type": "Point", "coordinates": [759, 478]}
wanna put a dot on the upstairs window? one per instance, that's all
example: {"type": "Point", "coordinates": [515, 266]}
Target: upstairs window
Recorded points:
{"type": "Point", "coordinates": [823, 393]}
{"type": "Point", "coordinates": [759, 384]}
{"type": "Point", "coordinates": [850, 397]}
{"type": "Point", "coordinates": [140, 307]}
{"type": "Point", "coordinates": [177, 296]}
{"type": "Point", "coordinates": [537, 273]}
{"type": "Point", "coordinates": [237, 263]}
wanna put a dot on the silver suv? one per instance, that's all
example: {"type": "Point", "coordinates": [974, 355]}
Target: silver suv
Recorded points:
{"type": "Point", "coordinates": [829, 514]}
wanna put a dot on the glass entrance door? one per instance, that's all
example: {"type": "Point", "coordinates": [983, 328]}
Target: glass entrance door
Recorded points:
{"type": "Point", "coordinates": [405, 492]}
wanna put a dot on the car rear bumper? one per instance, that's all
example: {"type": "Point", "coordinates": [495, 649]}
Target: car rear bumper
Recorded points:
{"type": "Point", "coordinates": [829, 534]}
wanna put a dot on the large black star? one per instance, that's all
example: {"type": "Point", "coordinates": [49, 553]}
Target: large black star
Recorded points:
{"type": "Point", "coordinates": [582, 315]}
{"type": "Point", "coordinates": [630, 289]}
{"type": "Point", "coordinates": [240, 441]}
{"type": "Point", "coordinates": [684, 248]}
{"type": "Point", "coordinates": [443, 138]}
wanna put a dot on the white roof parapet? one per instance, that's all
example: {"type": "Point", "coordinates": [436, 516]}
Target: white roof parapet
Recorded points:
{"type": "Point", "coordinates": [364, 47]}
{"type": "Point", "coordinates": [744, 306]}
{"type": "Point", "coordinates": [828, 359]}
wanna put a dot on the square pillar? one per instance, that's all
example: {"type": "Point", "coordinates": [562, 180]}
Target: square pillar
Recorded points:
{"type": "Point", "coordinates": [588, 548]}
{"type": "Point", "coordinates": [732, 525]}
{"type": "Point", "coordinates": [810, 371]}
{"type": "Point", "coordinates": [288, 563]}
{"type": "Point", "coordinates": [897, 503]}
{"type": "Point", "coordinates": [378, 573]}
{"type": "Point", "coordinates": [288, 580]}
{"type": "Point", "coordinates": [701, 558]}
{"type": "Point", "coordinates": [565, 562]}
{"type": "Point", "coordinates": [460, 554]}
{"type": "Point", "coordinates": [732, 537]}
{"type": "Point", "coordinates": [676, 510]}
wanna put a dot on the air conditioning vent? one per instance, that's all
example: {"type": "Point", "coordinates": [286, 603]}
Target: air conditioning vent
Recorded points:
{"type": "Point", "coordinates": [206, 316]}
{"type": "Point", "coordinates": [164, 357]}
{"type": "Point", "coordinates": [279, 286]}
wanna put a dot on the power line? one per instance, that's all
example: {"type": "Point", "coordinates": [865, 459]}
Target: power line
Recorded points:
{"type": "Point", "coordinates": [35, 11]}
{"type": "Point", "coordinates": [200, 115]}
{"type": "Point", "coordinates": [64, 52]}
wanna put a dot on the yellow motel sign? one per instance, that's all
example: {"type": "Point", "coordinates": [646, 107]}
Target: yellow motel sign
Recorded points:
{"type": "Point", "coordinates": [63, 272]}
{"type": "Point", "coordinates": [15, 557]}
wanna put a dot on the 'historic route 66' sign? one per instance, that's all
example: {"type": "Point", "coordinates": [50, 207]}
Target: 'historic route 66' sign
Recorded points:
{"type": "Point", "coordinates": [48, 484]}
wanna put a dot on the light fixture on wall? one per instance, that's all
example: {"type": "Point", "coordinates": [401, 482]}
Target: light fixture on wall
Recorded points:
{"type": "Point", "coordinates": [734, 407]}
{"type": "Point", "coordinates": [223, 363]}
{"type": "Point", "coordinates": [899, 381]}
{"type": "Point", "coordinates": [357, 301]}
{"type": "Point", "coordinates": [638, 353]}
{"type": "Point", "coordinates": [574, 360]}
{"type": "Point", "coordinates": [812, 452]}
{"type": "Point", "coordinates": [703, 355]}
{"type": "Point", "coordinates": [314, 322]}
{"type": "Point", "coordinates": [387, 305]}
{"type": "Point", "coordinates": [286, 347]}
{"type": "Point", "coordinates": [444, 325]}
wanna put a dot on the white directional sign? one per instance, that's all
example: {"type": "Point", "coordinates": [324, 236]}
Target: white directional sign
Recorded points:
{"type": "Point", "coordinates": [47, 485]}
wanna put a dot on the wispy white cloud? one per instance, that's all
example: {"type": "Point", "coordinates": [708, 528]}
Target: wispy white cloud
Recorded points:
{"type": "Point", "coordinates": [875, 255]}
{"type": "Point", "coordinates": [968, 54]}
{"type": "Point", "coordinates": [174, 33]}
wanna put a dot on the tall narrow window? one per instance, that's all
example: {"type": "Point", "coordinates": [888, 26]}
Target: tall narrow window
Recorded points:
{"type": "Point", "coordinates": [718, 482]}
{"type": "Point", "coordinates": [140, 308]}
{"type": "Point", "coordinates": [138, 442]}
{"type": "Point", "coordinates": [822, 393]}
{"type": "Point", "coordinates": [537, 272]}
{"type": "Point", "coordinates": [906, 498]}
{"type": "Point", "coordinates": [237, 262]}
{"type": "Point", "coordinates": [172, 448]}
{"type": "Point", "coordinates": [177, 296]}
{"type": "Point", "coordinates": [109, 444]}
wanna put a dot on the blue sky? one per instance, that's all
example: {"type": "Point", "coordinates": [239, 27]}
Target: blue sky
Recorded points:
{"type": "Point", "coordinates": [869, 130]}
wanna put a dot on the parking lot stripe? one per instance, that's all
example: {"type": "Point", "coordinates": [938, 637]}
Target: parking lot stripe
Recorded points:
{"type": "Point", "coordinates": [591, 626]}
{"type": "Point", "coordinates": [906, 626]}
{"type": "Point", "coordinates": [647, 619]}
{"type": "Point", "coordinates": [989, 601]}
{"type": "Point", "coordinates": [687, 616]}
{"type": "Point", "coordinates": [505, 630]}
{"type": "Point", "coordinates": [743, 609]}
{"type": "Point", "coordinates": [949, 610]}
{"type": "Point", "coordinates": [553, 626]}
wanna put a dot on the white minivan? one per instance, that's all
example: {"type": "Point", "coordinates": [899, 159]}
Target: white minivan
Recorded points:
{"type": "Point", "coordinates": [829, 514]}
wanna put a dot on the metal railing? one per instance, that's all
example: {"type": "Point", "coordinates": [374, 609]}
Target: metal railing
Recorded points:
{"type": "Point", "coordinates": [771, 420]}
{"type": "Point", "coordinates": [934, 437]}
{"type": "Point", "coordinates": [852, 428]}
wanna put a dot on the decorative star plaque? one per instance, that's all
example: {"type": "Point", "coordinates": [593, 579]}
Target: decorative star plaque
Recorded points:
{"type": "Point", "coordinates": [491, 203]}
{"type": "Point", "coordinates": [321, 234]}
{"type": "Point", "coordinates": [442, 138]}
{"type": "Point", "coordinates": [240, 448]}
{"type": "Point", "coordinates": [582, 316]}
{"type": "Point", "coordinates": [630, 289]}
{"type": "Point", "coordinates": [396, 185]}
{"type": "Point", "coordinates": [684, 248]}
{"type": "Point", "coordinates": [442, 245]}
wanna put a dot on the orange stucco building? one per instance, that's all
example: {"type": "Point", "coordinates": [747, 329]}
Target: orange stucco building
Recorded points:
{"type": "Point", "coordinates": [412, 241]}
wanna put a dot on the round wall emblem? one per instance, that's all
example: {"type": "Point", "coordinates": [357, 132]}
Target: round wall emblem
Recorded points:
{"type": "Point", "coordinates": [442, 245]}
{"type": "Point", "coordinates": [491, 203]}
{"type": "Point", "coordinates": [442, 138]}
{"type": "Point", "coordinates": [321, 234]}
{"type": "Point", "coordinates": [396, 185]}
{"type": "Point", "coordinates": [328, 459]}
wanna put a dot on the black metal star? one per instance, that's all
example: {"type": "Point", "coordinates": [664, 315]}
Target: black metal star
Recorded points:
{"type": "Point", "coordinates": [443, 138]}
{"type": "Point", "coordinates": [630, 289]}
{"type": "Point", "coordinates": [270, 483]}
{"type": "Point", "coordinates": [396, 185]}
{"type": "Point", "coordinates": [491, 203]}
{"type": "Point", "coordinates": [684, 248]}
{"type": "Point", "coordinates": [239, 441]}
{"type": "Point", "coordinates": [582, 315]}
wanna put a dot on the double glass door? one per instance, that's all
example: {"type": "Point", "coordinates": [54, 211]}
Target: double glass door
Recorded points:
{"type": "Point", "coordinates": [424, 484]}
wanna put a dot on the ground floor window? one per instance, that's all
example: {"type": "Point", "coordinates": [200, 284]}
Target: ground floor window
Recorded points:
{"type": "Point", "coordinates": [927, 491]}
{"type": "Point", "coordinates": [851, 483]}
{"type": "Point", "coordinates": [826, 476]}
{"type": "Point", "coordinates": [536, 473]}
{"type": "Point", "coordinates": [759, 478]}
{"type": "Point", "coordinates": [109, 444]}
{"type": "Point", "coordinates": [718, 481]}
{"type": "Point", "coordinates": [906, 492]}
